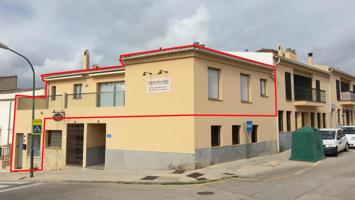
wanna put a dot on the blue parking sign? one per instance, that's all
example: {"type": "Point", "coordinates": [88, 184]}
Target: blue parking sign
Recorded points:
{"type": "Point", "coordinates": [249, 126]}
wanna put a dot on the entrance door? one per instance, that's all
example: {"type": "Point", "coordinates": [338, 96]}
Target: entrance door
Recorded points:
{"type": "Point", "coordinates": [19, 150]}
{"type": "Point", "coordinates": [254, 134]}
{"type": "Point", "coordinates": [75, 139]}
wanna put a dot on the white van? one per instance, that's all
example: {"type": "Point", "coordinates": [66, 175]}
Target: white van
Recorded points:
{"type": "Point", "coordinates": [334, 140]}
{"type": "Point", "coordinates": [350, 135]}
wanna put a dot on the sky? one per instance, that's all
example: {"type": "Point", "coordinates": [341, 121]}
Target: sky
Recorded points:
{"type": "Point", "coordinates": [53, 34]}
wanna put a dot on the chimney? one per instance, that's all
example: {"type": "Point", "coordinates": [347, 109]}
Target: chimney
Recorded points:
{"type": "Point", "coordinates": [86, 59]}
{"type": "Point", "coordinates": [291, 54]}
{"type": "Point", "coordinates": [280, 51]}
{"type": "Point", "coordinates": [310, 59]}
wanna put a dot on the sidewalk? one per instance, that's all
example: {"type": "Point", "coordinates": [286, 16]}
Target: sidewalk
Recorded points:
{"type": "Point", "coordinates": [264, 167]}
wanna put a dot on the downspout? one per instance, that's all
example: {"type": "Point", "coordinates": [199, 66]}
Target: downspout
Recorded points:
{"type": "Point", "coordinates": [9, 123]}
{"type": "Point", "coordinates": [331, 117]}
{"type": "Point", "coordinates": [277, 113]}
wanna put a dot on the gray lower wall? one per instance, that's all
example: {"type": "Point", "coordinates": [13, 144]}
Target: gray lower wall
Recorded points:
{"type": "Point", "coordinates": [125, 159]}
{"type": "Point", "coordinates": [210, 156]}
{"type": "Point", "coordinates": [95, 155]}
{"type": "Point", "coordinates": [285, 140]}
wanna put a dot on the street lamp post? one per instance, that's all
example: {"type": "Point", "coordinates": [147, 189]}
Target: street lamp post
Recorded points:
{"type": "Point", "coordinates": [4, 46]}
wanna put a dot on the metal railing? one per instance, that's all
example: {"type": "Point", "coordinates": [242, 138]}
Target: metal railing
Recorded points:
{"type": "Point", "coordinates": [82, 100]}
{"type": "Point", "coordinates": [97, 99]}
{"type": "Point", "coordinates": [347, 96]}
{"type": "Point", "coordinates": [4, 153]}
{"type": "Point", "coordinates": [310, 94]}
{"type": "Point", "coordinates": [49, 102]}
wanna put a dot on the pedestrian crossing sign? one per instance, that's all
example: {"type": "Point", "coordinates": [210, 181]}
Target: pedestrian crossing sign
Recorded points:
{"type": "Point", "coordinates": [36, 127]}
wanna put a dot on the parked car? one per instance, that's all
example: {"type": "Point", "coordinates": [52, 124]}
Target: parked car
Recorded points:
{"type": "Point", "coordinates": [334, 141]}
{"type": "Point", "coordinates": [350, 135]}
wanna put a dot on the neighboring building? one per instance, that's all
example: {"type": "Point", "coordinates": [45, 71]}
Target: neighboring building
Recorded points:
{"type": "Point", "coordinates": [308, 94]}
{"type": "Point", "coordinates": [8, 91]}
{"type": "Point", "coordinates": [182, 107]}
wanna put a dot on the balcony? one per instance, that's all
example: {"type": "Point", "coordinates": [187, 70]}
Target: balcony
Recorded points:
{"type": "Point", "coordinates": [41, 103]}
{"type": "Point", "coordinates": [101, 99]}
{"type": "Point", "coordinates": [309, 97]}
{"type": "Point", "coordinates": [347, 98]}
{"type": "Point", "coordinates": [68, 101]}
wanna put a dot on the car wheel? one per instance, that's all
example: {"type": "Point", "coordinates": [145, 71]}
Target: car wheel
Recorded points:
{"type": "Point", "coordinates": [336, 152]}
{"type": "Point", "coordinates": [346, 147]}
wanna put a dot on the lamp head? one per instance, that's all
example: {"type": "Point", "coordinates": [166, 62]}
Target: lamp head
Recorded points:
{"type": "Point", "coordinates": [4, 46]}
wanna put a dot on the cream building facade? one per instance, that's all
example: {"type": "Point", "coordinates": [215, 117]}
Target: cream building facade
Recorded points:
{"type": "Point", "coordinates": [183, 107]}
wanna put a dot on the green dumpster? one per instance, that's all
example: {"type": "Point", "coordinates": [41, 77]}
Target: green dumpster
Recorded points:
{"type": "Point", "coordinates": [307, 145]}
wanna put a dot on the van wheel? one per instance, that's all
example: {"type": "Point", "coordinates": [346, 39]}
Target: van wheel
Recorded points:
{"type": "Point", "coordinates": [336, 152]}
{"type": "Point", "coordinates": [346, 149]}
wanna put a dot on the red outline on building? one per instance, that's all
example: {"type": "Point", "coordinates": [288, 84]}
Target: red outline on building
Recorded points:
{"type": "Point", "coordinates": [134, 116]}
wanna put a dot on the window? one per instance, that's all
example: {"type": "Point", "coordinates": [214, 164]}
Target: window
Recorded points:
{"type": "Point", "coordinates": [319, 120]}
{"type": "Point", "coordinates": [288, 87]}
{"type": "Point", "coordinates": [36, 144]}
{"type": "Point", "coordinates": [263, 87]}
{"type": "Point", "coordinates": [324, 121]}
{"type": "Point", "coordinates": [312, 119]}
{"type": "Point", "coordinates": [244, 88]}
{"type": "Point", "coordinates": [53, 92]}
{"type": "Point", "coordinates": [215, 135]}
{"type": "Point", "coordinates": [111, 94]}
{"type": "Point", "coordinates": [254, 134]}
{"type": "Point", "coordinates": [338, 117]}
{"type": "Point", "coordinates": [296, 120]}
{"type": "Point", "coordinates": [77, 91]}
{"type": "Point", "coordinates": [54, 138]}
{"type": "Point", "coordinates": [338, 89]}
{"type": "Point", "coordinates": [213, 83]}
{"type": "Point", "coordinates": [235, 134]}
{"type": "Point", "coordinates": [281, 120]}
{"type": "Point", "coordinates": [288, 120]}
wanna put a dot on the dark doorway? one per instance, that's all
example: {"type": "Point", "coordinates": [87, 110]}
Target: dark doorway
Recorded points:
{"type": "Point", "coordinates": [75, 138]}
{"type": "Point", "coordinates": [254, 134]}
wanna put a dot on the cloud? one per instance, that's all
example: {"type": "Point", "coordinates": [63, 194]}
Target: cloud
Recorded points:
{"type": "Point", "coordinates": [52, 34]}
{"type": "Point", "coordinates": [194, 28]}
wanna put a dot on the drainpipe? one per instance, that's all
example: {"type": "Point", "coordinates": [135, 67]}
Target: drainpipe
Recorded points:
{"type": "Point", "coordinates": [9, 124]}
{"type": "Point", "coordinates": [331, 117]}
{"type": "Point", "coordinates": [277, 113]}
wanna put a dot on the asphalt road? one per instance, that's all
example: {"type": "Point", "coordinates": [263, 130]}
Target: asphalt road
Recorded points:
{"type": "Point", "coordinates": [334, 178]}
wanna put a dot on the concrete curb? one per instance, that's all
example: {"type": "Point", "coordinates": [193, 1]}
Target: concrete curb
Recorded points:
{"type": "Point", "coordinates": [197, 182]}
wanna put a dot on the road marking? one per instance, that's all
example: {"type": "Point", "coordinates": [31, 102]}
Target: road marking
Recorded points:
{"type": "Point", "coordinates": [2, 186]}
{"type": "Point", "coordinates": [12, 183]}
{"type": "Point", "coordinates": [20, 187]}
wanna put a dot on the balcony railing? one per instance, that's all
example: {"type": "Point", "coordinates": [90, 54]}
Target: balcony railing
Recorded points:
{"type": "Point", "coordinates": [49, 102]}
{"type": "Point", "coordinates": [100, 99]}
{"type": "Point", "coordinates": [310, 94]}
{"type": "Point", "coordinates": [83, 100]}
{"type": "Point", "coordinates": [347, 96]}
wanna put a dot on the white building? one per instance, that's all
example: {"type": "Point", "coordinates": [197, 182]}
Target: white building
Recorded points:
{"type": "Point", "coordinates": [7, 101]}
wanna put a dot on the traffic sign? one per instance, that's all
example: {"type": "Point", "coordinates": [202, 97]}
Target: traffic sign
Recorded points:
{"type": "Point", "coordinates": [36, 127]}
{"type": "Point", "coordinates": [249, 126]}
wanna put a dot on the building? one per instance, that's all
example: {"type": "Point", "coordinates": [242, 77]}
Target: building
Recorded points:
{"type": "Point", "coordinates": [8, 91]}
{"type": "Point", "coordinates": [183, 107]}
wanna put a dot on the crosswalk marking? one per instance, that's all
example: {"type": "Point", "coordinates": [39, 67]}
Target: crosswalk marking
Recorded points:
{"type": "Point", "coordinates": [19, 187]}
{"type": "Point", "coordinates": [3, 186]}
